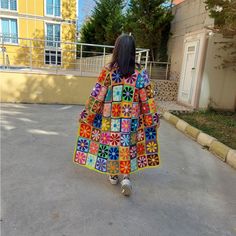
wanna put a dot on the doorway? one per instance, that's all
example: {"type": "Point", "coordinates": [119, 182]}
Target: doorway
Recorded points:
{"type": "Point", "coordinates": [189, 71]}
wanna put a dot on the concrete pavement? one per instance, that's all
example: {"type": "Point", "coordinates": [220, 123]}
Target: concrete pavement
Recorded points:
{"type": "Point", "coordinates": [45, 194]}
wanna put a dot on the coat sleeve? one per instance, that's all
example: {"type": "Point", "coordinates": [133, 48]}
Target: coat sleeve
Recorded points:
{"type": "Point", "coordinates": [94, 104]}
{"type": "Point", "coordinates": [149, 115]}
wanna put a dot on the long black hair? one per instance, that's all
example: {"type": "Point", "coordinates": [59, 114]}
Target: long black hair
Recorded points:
{"type": "Point", "coordinates": [124, 54]}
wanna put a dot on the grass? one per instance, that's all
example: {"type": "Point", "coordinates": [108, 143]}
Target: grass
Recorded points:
{"type": "Point", "coordinates": [221, 125]}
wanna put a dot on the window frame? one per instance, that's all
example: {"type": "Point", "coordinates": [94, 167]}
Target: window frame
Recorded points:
{"type": "Point", "coordinates": [8, 9]}
{"type": "Point", "coordinates": [53, 15]}
{"type": "Point", "coordinates": [45, 33]}
{"type": "Point", "coordinates": [52, 49]}
{"type": "Point", "coordinates": [17, 27]}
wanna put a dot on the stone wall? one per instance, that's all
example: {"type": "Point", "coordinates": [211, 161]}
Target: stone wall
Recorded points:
{"type": "Point", "coordinates": [167, 90]}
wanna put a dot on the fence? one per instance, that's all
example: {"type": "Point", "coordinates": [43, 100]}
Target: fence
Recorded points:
{"type": "Point", "coordinates": [158, 70]}
{"type": "Point", "coordinates": [58, 56]}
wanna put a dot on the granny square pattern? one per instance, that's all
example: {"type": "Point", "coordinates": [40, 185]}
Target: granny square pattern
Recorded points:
{"type": "Point", "coordinates": [118, 127]}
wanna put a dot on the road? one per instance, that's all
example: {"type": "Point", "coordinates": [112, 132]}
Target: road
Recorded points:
{"type": "Point", "coordinates": [44, 194]}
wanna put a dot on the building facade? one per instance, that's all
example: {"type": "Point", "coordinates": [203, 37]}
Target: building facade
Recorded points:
{"type": "Point", "coordinates": [193, 48]}
{"type": "Point", "coordinates": [38, 33]}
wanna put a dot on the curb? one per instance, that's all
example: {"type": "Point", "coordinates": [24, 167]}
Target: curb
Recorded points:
{"type": "Point", "coordinates": [223, 152]}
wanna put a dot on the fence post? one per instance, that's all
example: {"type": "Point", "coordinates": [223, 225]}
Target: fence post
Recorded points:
{"type": "Point", "coordinates": [167, 68]}
{"type": "Point", "coordinates": [56, 57]}
{"type": "Point", "coordinates": [81, 57]}
{"type": "Point", "coordinates": [3, 53]}
{"type": "Point", "coordinates": [150, 69]}
{"type": "Point", "coordinates": [104, 54]}
{"type": "Point", "coordinates": [31, 54]}
{"type": "Point", "coordinates": [147, 55]}
{"type": "Point", "coordinates": [139, 57]}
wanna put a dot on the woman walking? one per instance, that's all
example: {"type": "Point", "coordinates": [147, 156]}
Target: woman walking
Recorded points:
{"type": "Point", "coordinates": [118, 128]}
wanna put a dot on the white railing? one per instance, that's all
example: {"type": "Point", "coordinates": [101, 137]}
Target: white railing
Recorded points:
{"type": "Point", "coordinates": [58, 57]}
{"type": "Point", "coordinates": [158, 70]}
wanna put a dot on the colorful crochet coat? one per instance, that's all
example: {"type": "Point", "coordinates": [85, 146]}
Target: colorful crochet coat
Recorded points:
{"type": "Point", "coordinates": [118, 128]}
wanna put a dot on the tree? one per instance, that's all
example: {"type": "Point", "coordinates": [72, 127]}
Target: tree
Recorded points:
{"type": "Point", "coordinates": [105, 24]}
{"type": "Point", "coordinates": [149, 21]}
{"type": "Point", "coordinates": [88, 32]}
{"type": "Point", "coordinates": [224, 13]}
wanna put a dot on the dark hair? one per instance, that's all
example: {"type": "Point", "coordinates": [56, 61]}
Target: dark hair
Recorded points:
{"type": "Point", "coordinates": [124, 54]}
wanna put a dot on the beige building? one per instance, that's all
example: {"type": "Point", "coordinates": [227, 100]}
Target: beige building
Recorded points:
{"type": "Point", "coordinates": [192, 49]}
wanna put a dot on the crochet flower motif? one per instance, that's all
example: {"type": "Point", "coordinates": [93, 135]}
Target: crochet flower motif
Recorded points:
{"type": "Point", "coordinates": [152, 147]}
{"type": "Point", "coordinates": [98, 121]}
{"type": "Point", "coordinates": [83, 114]}
{"type": "Point", "coordinates": [125, 125]}
{"type": "Point", "coordinates": [125, 167]}
{"type": "Point", "coordinates": [83, 145]}
{"type": "Point", "coordinates": [115, 125]}
{"type": "Point", "coordinates": [150, 133]}
{"type": "Point", "coordinates": [131, 79]}
{"type": "Point", "coordinates": [126, 109]}
{"type": "Point", "coordinates": [142, 161]}
{"type": "Point", "coordinates": [116, 77]}
{"type": "Point", "coordinates": [133, 151]}
{"type": "Point", "coordinates": [145, 76]}
{"type": "Point", "coordinates": [116, 110]}
{"type": "Point", "coordinates": [85, 130]}
{"type": "Point", "coordinates": [124, 140]}
{"type": "Point", "coordinates": [124, 153]}
{"type": "Point", "coordinates": [105, 138]}
{"type": "Point", "coordinates": [94, 148]}
{"type": "Point", "coordinates": [113, 167]}
{"type": "Point", "coordinates": [103, 151]}
{"type": "Point", "coordinates": [153, 160]}
{"type": "Point", "coordinates": [156, 118]}
{"type": "Point", "coordinates": [140, 136]}
{"type": "Point", "coordinates": [105, 124]}
{"type": "Point", "coordinates": [80, 157]}
{"type": "Point", "coordinates": [113, 153]}
{"type": "Point", "coordinates": [140, 148]}
{"type": "Point", "coordinates": [96, 135]}
{"type": "Point", "coordinates": [96, 90]}
{"type": "Point", "coordinates": [101, 164]}
{"type": "Point", "coordinates": [117, 93]}
{"type": "Point", "coordinates": [115, 139]}
{"type": "Point", "coordinates": [91, 160]}
{"type": "Point", "coordinates": [128, 93]}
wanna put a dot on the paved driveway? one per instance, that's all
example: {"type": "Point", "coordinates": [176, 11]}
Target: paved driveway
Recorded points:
{"type": "Point", "coordinates": [45, 194]}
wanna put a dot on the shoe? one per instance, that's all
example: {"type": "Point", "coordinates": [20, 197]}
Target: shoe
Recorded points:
{"type": "Point", "coordinates": [114, 179]}
{"type": "Point", "coordinates": [126, 187]}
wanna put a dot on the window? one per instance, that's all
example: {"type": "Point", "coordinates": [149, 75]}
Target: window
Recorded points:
{"type": "Point", "coordinates": [53, 7]}
{"type": "Point", "coordinates": [53, 35]}
{"type": "Point", "coordinates": [52, 57]}
{"type": "Point", "coordinates": [8, 30]}
{"type": "Point", "coordinates": [8, 4]}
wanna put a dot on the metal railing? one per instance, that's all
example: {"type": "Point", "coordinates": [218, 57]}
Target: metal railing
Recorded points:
{"type": "Point", "coordinates": [58, 57]}
{"type": "Point", "coordinates": [158, 70]}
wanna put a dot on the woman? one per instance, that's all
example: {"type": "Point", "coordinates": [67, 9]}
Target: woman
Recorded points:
{"type": "Point", "coordinates": [118, 126]}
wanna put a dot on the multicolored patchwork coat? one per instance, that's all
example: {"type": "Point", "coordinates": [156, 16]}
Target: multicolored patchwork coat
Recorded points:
{"type": "Point", "coordinates": [118, 128]}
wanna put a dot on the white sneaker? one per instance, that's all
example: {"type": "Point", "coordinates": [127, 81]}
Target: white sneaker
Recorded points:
{"type": "Point", "coordinates": [126, 187]}
{"type": "Point", "coordinates": [114, 179]}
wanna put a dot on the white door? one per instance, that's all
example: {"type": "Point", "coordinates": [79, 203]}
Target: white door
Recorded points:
{"type": "Point", "coordinates": [188, 73]}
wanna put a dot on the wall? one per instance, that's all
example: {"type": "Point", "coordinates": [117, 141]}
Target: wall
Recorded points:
{"type": "Point", "coordinates": [34, 87]}
{"type": "Point", "coordinates": [167, 90]}
{"type": "Point", "coordinates": [190, 16]}
{"type": "Point", "coordinates": [218, 85]}
{"type": "Point", "coordinates": [31, 24]}
{"type": "Point", "coordinates": [45, 88]}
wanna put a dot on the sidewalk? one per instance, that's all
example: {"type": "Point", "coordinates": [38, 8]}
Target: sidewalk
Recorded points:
{"type": "Point", "coordinates": [172, 106]}
{"type": "Point", "coordinates": [45, 194]}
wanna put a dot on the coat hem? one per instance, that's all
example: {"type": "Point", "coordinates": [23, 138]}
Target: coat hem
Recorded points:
{"type": "Point", "coordinates": [107, 173]}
